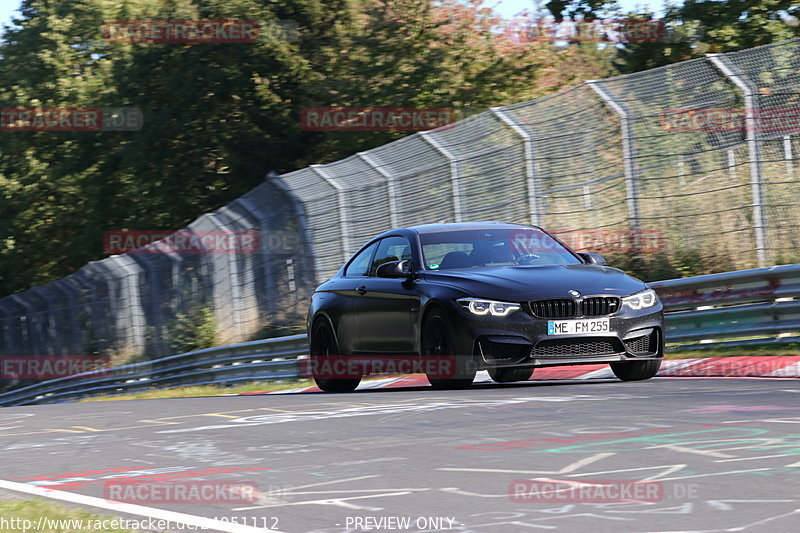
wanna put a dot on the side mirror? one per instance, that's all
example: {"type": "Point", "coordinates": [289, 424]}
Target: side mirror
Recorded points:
{"type": "Point", "coordinates": [593, 259]}
{"type": "Point", "coordinates": [394, 269]}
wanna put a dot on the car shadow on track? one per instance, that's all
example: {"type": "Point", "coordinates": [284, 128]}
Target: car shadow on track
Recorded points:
{"type": "Point", "coordinates": [474, 386]}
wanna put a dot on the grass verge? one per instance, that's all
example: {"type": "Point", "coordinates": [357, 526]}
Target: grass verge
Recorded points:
{"type": "Point", "coordinates": [205, 390]}
{"type": "Point", "coordinates": [790, 349]}
{"type": "Point", "coordinates": [25, 515]}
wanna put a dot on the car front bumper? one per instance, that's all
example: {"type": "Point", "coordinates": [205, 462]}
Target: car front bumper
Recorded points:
{"type": "Point", "coordinates": [521, 339]}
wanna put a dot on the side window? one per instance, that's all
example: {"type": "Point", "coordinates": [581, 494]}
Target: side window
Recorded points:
{"type": "Point", "coordinates": [390, 249]}
{"type": "Point", "coordinates": [359, 266]}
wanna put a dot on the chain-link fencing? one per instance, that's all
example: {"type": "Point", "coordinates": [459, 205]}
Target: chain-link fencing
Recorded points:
{"type": "Point", "coordinates": [690, 168]}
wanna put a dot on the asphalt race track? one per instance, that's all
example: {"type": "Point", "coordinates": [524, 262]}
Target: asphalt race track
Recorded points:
{"type": "Point", "coordinates": [721, 454]}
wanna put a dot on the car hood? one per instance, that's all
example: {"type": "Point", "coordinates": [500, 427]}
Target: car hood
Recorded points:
{"type": "Point", "coordinates": [523, 283]}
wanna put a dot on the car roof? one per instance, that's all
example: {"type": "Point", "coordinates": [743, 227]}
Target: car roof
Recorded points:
{"type": "Point", "coordinates": [437, 228]}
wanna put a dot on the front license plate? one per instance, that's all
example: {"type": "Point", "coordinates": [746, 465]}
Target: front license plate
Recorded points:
{"type": "Point", "coordinates": [577, 327]}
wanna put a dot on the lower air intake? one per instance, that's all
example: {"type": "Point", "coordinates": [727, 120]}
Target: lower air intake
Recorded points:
{"type": "Point", "coordinates": [574, 348]}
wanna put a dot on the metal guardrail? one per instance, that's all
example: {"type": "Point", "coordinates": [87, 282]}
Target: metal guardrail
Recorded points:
{"type": "Point", "coordinates": [250, 361]}
{"type": "Point", "coordinates": [756, 306]}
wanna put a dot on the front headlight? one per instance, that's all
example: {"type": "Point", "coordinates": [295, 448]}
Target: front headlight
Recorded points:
{"type": "Point", "coordinates": [641, 300]}
{"type": "Point", "coordinates": [480, 307]}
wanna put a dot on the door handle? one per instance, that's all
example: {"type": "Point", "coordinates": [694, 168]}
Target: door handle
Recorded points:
{"type": "Point", "coordinates": [362, 290]}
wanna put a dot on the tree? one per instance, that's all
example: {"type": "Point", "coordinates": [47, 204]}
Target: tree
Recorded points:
{"type": "Point", "coordinates": [698, 27]}
{"type": "Point", "coordinates": [218, 117]}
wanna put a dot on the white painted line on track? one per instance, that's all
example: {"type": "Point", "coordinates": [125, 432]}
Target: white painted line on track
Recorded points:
{"type": "Point", "coordinates": [131, 509]}
{"type": "Point", "coordinates": [378, 383]}
{"type": "Point", "coordinates": [600, 373]}
{"type": "Point", "coordinates": [482, 376]}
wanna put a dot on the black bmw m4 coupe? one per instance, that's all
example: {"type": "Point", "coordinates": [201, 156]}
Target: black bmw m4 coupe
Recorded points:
{"type": "Point", "coordinates": [451, 299]}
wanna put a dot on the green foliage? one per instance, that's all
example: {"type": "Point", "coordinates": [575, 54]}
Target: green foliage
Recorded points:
{"type": "Point", "coordinates": [692, 28]}
{"type": "Point", "coordinates": [699, 27]}
{"type": "Point", "coordinates": [740, 24]}
{"type": "Point", "coordinates": [194, 330]}
{"type": "Point", "coordinates": [584, 9]}
{"type": "Point", "coordinates": [218, 117]}
{"type": "Point", "coordinates": [680, 262]}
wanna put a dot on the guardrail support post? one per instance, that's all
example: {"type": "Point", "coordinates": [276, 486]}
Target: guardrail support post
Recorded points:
{"type": "Point", "coordinates": [753, 149]}
{"type": "Point", "coordinates": [390, 186]}
{"type": "Point", "coordinates": [530, 168]}
{"type": "Point", "coordinates": [342, 198]}
{"type": "Point", "coordinates": [628, 151]}
{"type": "Point", "coordinates": [455, 172]}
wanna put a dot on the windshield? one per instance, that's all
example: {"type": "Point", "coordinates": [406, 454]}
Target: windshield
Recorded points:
{"type": "Point", "coordinates": [495, 247]}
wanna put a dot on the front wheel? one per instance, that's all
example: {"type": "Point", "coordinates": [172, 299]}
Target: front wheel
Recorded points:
{"type": "Point", "coordinates": [451, 370]}
{"type": "Point", "coordinates": [328, 367]}
{"type": "Point", "coordinates": [636, 370]}
{"type": "Point", "coordinates": [510, 375]}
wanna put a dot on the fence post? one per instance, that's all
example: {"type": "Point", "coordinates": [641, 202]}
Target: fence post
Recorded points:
{"type": "Point", "coordinates": [29, 341]}
{"type": "Point", "coordinates": [342, 198]}
{"type": "Point", "coordinates": [310, 260]}
{"type": "Point", "coordinates": [390, 186]}
{"type": "Point", "coordinates": [11, 332]}
{"type": "Point", "coordinates": [787, 154]}
{"type": "Point", "coordinates": [753, 149]}
{"type": "Point", "coordinates": [530, 168]}
{"type": "Point", "coordinates": [455, 172]}
{"type": "Point", "coordinates": [628, 151]}
{"type": "Point", "coordinates": [267, 259]}
{"type": "Point", "coordinates": [72, 330]}
{"type": "Point", "coordinates": [5, 345]}
{"type": "Point", "coordinates": [49, 345]}
{"type": "Point", "coordinates": [236, 297]}
{"type": "Point", "coordinates": [127, 272]}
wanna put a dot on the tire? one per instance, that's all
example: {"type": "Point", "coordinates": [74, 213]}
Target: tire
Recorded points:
{"type": "Point", "coordinates": [323, 349]}
{"type": "Point", "coordinates": [438, 343]}
{"type": "Point", "coordinates": [510, 375]}
{"type": "Point", "coordinates": [636, 370]}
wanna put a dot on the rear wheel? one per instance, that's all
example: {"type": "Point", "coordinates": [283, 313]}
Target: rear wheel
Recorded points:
{"type": "Point", "coordinates": [636, 370]}
{"type": "Point", "coordinates": [326, 361]}
{"type": "Point", "coordinates": [510, 375]}
{"type": "Point", "coordinates": [451, 370]}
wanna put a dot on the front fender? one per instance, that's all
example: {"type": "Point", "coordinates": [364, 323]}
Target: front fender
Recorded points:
{"type": "Point", "coordinates": [444, 297]}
